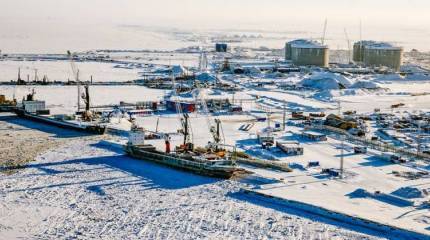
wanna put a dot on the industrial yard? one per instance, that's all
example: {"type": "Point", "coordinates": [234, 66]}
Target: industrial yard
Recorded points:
{"type": "Point", "coordinates": [344, 132]}
{"type": "Point", "coordinates": [318, 129]}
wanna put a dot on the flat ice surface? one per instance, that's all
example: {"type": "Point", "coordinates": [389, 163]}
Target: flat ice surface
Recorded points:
{"type": "Point", "coordinates": [88, 189]}
{"type": "Point", "coordinates": [61, 71]}
{"type": "Point", "coordinates": [63, 99]}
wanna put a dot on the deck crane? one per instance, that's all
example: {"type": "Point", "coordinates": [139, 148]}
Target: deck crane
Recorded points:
{"type": "Point", "coordinates": [184, 120]}
{"type": "Point", "coordinates": [87, 115]}
{"type": "Point", "coordinates": [214, 125]}
{"type": "Point", "coordinates": [75, 72]}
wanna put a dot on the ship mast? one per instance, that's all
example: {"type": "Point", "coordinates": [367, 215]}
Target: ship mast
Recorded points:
{"type": "Point", "coordinates": [75, 72]}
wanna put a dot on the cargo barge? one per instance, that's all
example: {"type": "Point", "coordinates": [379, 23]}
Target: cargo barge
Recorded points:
{"type": "Point", "coordinates": [78, 126]}
{"type": "Point", "coordinates": [212, 168]}
{"type": "Point", "coordinates": [203, 164]}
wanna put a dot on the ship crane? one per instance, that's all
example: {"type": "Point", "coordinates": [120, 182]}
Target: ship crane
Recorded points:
{"type": "Point", "coordinates": [324, 32]}
{"type": "Point", "coordinates": [187, 145]}
{"type": "Point", "coordinates": [75, 72]}
{"type": "Point", "coordinates": [184, 120]}
{"type": "Point", "coordinates": [214, 125]}
{"type": "Point", "coordinates": [87, 115]}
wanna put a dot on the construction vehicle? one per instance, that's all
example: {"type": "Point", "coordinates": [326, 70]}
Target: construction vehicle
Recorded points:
{"type": "Point", "coordinates": [338, 122]}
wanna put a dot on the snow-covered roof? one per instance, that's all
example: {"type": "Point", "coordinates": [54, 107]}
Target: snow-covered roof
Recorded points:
{"type": "Point", "coordinates": [206, 77]}
{"type": "Point", "coordinates": [306, 43]}
{"type": "Point", "coordinates": [369, 44]}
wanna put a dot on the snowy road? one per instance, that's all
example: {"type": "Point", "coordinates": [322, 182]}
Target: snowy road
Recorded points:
{"type": "Point", "coordinates": [88, 190]}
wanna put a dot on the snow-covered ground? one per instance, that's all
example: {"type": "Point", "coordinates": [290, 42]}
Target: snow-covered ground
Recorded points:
{"type": "Point", "coordinates": [88, 189]}
{"type": "Point", "coordinates": [363, 171]}
{"type": "Point", "coordinates": [309, 185]}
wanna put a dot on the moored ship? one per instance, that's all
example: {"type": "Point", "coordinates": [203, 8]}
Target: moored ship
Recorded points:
{"type": "Point", "coordinates": [35, 110]}
{"type": "Point", "coordinates": [202, 163]}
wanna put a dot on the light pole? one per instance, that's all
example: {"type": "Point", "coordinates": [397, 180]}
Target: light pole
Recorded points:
{"type": "Point", "coordinates": [341, 155]}
{"type": "Point", "coordinates": [284, 118]}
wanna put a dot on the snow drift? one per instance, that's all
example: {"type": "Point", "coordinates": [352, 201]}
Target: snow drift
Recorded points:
{"type": "Point", "coordinates": [325, 80]}
{"type": "Point", "coordinates": [365, 85]}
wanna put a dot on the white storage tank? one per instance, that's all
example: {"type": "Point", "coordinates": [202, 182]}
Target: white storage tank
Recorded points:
{"type": "Point", "coordinates": [307, 52]}
{"type": "Point", "coordinates": [378, 54]}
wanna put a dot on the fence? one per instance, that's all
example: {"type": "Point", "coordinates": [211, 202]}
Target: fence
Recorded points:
{"type": "Point", "coordinates": [377, 145]}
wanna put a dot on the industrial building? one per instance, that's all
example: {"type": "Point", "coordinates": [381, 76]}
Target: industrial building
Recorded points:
{"type": "Point", "coordinates": [290, 147]}
{"type": "Point", "coordinates": [186, 107]}
{"type": "Point", "coordinates": [303, 52]}
{"type": "Point", "coordinates": [314, 136]}
{"type": "Point", "coordinates": [221, 47]}
{"type": "Point", "coordinates": [377, 54]}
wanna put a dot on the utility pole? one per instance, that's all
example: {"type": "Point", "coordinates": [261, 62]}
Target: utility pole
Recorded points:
{"type": "Point", "coordinates": [284, 117]}
{"type": "Point", "coordinates": [19, 75]}
{"type": "Point", "coordinates": [341, 156]}
{"type": "Point", "coordinates": [36, 78]}
{"type": "Point", "coordinates": [419, 137]}
{"type": "Point", "coordinates": [156, 127]}
{"type": "Point", "coordinates": [78, 84]}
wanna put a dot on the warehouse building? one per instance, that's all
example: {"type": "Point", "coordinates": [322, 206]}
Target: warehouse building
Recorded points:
{"type": "Point", "coordinates": [303, 52]}
{"type": "Point", "coordinates": [221, 47]}
{"type": "Point", "coordinates": [378, 54]}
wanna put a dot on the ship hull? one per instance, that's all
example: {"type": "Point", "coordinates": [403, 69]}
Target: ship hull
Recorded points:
{"type": "Point", "coordinates": [225, 172]}
{"type": "Point", "coordinates": [93, 129]}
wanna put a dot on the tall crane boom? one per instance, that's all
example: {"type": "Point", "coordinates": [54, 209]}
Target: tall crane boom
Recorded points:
{"type": "Point", "coordinates": [75, 72]}
{"type": "Point", "coordinates": [324, 32]}
{"type": "Point", "coordinates": [214, 125]}
{"type": "Point", "coordinates": [184, 120]}
{"type": "Point", "coordinates": [349, 45]}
